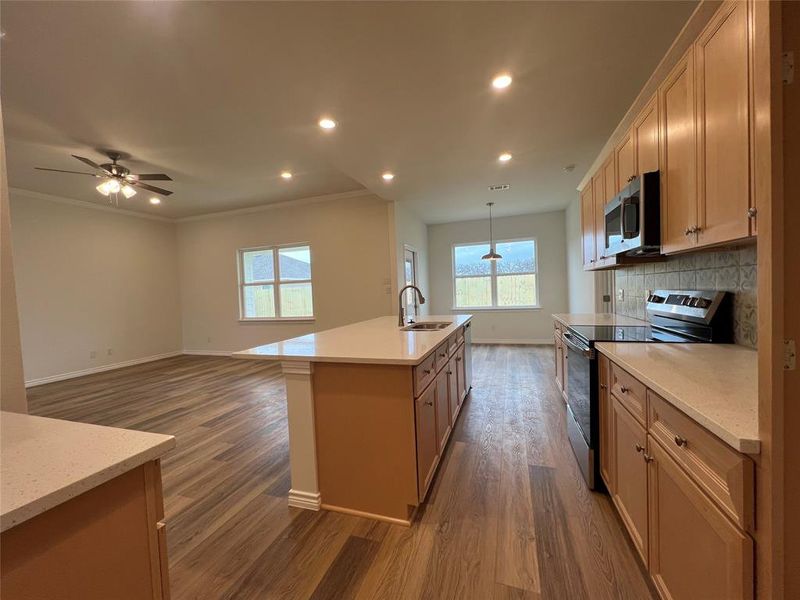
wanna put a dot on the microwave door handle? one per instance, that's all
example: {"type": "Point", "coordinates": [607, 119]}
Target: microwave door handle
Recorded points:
{"type": "Point", "coordinates": [627, 203]}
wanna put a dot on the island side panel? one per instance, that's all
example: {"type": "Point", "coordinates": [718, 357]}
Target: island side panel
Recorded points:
{"type": "Point", "coordinates": [366, 438]}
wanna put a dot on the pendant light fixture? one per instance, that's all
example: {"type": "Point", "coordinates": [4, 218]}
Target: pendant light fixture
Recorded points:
{"type": "Point", "coordinates": [492, 255]}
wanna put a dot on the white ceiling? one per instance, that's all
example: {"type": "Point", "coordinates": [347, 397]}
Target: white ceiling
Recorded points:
{"type": "Point", "coordinates": [223, 96]}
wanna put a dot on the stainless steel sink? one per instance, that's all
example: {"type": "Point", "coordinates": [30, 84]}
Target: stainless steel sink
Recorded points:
{"type": "Point", "coordinates": [428, 326]}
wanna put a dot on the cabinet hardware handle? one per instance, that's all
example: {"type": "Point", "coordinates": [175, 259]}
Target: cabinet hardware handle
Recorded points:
{"type": "Point", "coordinates": [639, 448]}
{"type": "Point", "coordinates": [687, 231]}
{"type": "Point", "coordinates": [623, 389]}
{"type": "Point", "coordinates": [449, 372]}
{"type": "Point", "coordinates": [429, 404]}
{"type": "Point", "coordinates": [443, 355]}
{"type": "Point", "coordinates": [603, 386]}
{"type": "Point", "coordinates": [680, 441]}
{"type": "Point", "coordinates": [631, 178]}
{"type": "Point", "coordinates": [458, 358]}
{"type": "Point", "coordinates": [752, 212]}
{"type": "Point", "coordinates": [648, 458]}
{"type": "Point", "coordinates": [427, 371]}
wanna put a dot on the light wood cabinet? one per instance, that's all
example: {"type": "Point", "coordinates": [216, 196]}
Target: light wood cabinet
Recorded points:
{"type": "Point", "coordinates": [606, 420]}
{"type": "Point", "coordinates": [630, 489]}
{"type": "Point", "coordinates": [587, 225]}
{"type": "Point", "coordinates": [461, 374]}
{"type": "Point", "coordinates": [678, 152]}
{"type": "Point", "coordinates": [723, 121]}
{"type": "Point", "coordinates": [645, 138]}
{"type": "Point", "coordinates": [427, 440]}
{"type": "Point", "coordinates": [452, 389]}
{"type": "Point", "coordinates": [599, 196]}
{"type": "Point", "coordinates": [625, 159]}
{"type": "Point", "coordinates": [695, 551]}
{"type": "Point", "coordinates": [107, 542]}
{"type": "Point", "coordinates": [442, 401]}
{"type": "Point", "coordinates": [558, 346]}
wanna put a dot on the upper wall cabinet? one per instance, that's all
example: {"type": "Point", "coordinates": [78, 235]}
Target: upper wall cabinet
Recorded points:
{"type": "Point", "coordinates": [625, 159]}
{"type": "Point", "coordinates": [645, 138]}
{"type": "Point", "coordinates": [723, 122]}
{"type": "Point", "coordinates": [600, 197]}
{"type": "Point", "coordinates": [679, 165]}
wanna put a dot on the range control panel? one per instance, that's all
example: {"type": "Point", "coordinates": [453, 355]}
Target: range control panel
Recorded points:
{"type": "Point", "coordinates": [680, 300]}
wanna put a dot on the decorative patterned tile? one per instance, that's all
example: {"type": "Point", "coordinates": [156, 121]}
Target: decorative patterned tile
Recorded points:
{"type": "Point", "coordinates": [686, 262]}
{"type": "Point", "coordinates": [659, 267]}
{"type": "Point", "coordinates": [688, 280]}
{"type": "Point", "coordinates": [706, 279]}
{"type": "Point", "coordinates": [705, 260]}
{"type": "Point", "coordinates": [727, 258]}
{"type": "Point", "coordinates": [748, 278]}
{"type": "Point", "coordinates": [673, 281]}
{"type": "Point", "coordinates": [660, 282]}
{"type": "Point", "coordinates": [748, 255]}
{"type": "Point", "coordinates": [728, 279]}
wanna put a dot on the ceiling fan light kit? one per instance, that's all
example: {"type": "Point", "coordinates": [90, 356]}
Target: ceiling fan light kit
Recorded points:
{"type": "Point", "coordinates": [117, 178]}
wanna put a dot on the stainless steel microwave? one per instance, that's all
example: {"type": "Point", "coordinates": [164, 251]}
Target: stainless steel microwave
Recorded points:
{"type": "Point", "coordinates": [633, 218]}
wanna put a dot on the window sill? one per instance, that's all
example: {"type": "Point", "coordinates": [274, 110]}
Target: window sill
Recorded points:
{"type": "Point", "coordinates": [278, 320]}
{"type": "Point", "coordinates": [495, 309]}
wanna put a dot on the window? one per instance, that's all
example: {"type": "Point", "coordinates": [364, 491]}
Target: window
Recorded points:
{"type": "Point", "coordinates": [506, 283]}
{"type": "Point", "coordinates": [275, 283]}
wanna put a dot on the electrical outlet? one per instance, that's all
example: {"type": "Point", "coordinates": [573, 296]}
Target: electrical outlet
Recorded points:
{"type": "Point", "coordinates": [620, 294]}
{"type": "Point", "coordinates": [93, 354]}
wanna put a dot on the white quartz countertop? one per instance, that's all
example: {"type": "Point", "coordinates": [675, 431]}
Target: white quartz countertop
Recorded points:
{"type": "Point", "coordinates": [45, 462]}
{"type": "Point", "coordinates": [377, 341]}
{"type": "Point", "coordinates": [714, 384]}
{"type": "Point", "coordinates": [596, 319]}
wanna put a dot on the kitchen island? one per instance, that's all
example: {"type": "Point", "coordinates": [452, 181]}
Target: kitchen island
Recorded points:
{"type": "Point", "coordinates": [370, 407]}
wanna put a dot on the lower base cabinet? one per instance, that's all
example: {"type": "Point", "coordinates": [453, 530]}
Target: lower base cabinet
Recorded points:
{"type": "Point", "coordinates": [427, 446]}
{"type": "Point", "coordinates": [695, 551]}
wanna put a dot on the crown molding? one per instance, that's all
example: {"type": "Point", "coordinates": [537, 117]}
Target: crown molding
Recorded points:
{"type": "Point", "coordinates": [277, 205]}
{"type": "Point", "coordinates": [14, 191]}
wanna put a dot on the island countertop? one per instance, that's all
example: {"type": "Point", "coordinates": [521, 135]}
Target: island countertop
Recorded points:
{"type": "Point", "coordinates": [377, 341]}
{"type": "Point", "coordinates": [714, 384]}
{"type": "Point", "coordinates": [45, 462]}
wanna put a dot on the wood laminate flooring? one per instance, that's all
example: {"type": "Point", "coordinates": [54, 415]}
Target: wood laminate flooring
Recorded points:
{"type": "Point", "coordinates": [509, 515]}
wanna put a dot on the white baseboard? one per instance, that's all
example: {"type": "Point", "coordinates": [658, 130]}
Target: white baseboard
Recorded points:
{"type": "Point", "coordinates": [92, 370]}
{"type": "Point", "coordinates": [208, 352]}
{"type": "Point", "coordinates": [307, 500]}
{"type": "Point", "coordinates": [517, 342]}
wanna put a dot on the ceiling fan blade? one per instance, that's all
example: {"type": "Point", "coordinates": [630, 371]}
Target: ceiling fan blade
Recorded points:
{"type": "Point", "coordinates": [152, 177]}
{"type": "Point", "coordinates": [91, 163]}
{"type": "Point", "coordinates": [151, 188]}
{"type": "Point", "coordinates": [63, 171]}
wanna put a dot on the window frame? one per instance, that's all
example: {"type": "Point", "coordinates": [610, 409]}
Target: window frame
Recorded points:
{"type": "Point", "coordinates": [275, 282]}
{"type": "Point", "coordinates": [493, 276]}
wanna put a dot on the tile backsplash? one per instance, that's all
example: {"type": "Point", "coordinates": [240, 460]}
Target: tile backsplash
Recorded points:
{"type": "Point", "coordinates": [729, 269]}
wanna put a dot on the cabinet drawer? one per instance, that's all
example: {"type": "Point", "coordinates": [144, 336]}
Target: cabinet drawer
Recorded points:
{"type": "Point", "coordinates": [452, 344]}
{"type": "Point", "coordinates": [630, 392]}
{"type": "Point", "coordinates": [424, 373]}
{"type": "Point", "coordinates": [459, 336]}
{"type": "Point", "coordinates": [724, 474]}
{"type": "Point", "coordinates": [442, 355]}
{"type": "Point", "coordinates": [558, 328]}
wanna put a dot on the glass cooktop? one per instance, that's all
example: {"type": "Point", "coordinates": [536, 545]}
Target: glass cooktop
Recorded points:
{"type": "Point", "coordinates": [626, 333]}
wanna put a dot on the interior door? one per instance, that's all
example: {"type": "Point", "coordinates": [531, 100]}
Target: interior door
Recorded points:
{"type": "Point", "coordinates": [410, 273]}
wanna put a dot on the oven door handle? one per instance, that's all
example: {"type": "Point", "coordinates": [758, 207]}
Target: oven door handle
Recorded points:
{"type": "Point", "coordinates": [580, 348]}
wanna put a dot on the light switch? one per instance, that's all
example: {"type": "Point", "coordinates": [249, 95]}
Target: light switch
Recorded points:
{"type": "Point", "coordinates": [620, 294]}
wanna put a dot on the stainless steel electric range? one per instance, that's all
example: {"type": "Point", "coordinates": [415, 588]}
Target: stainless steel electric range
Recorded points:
{"type": "Point", "coordinates": [673, 316]}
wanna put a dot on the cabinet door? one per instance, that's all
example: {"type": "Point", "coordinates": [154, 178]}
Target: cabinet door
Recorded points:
{"type": "Point", "coordinates": [452, 388]}
{"type": "Point", "coordinates": [678, 169]}
{"type": "Point", "coordinates": [599, 195]}
{"type": "Point", "coordinates": [610, 176]}
{"type": "Point", "coordinates": [645, 133]}
{"type": "Point", "coordinates": [442, 402]}
{"type": "Point", "coordinates": [606, 419]}
{"type": "Point", "coordinates": [626, 161]}
{"type": "Point", "coordinates": [723, 120]}
{"type": "Point", "coordinates": [695, 551]}
{"type": "Point", "coordinates": [427, 454]}
{"type": "Point", "coordinates": [461, 374]}
{"type": "Point", "coordinates": [559, 356]}
{"type": "Point", "coordinates": [587, 225]}
{"type": "Point", "coordinates": [630, 469]}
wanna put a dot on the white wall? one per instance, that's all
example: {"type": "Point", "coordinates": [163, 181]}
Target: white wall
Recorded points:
{"type": "Point", "coordinates": [91, 280]}
{"type": "Point", "coordinates": [521, 326]}
{"type": "Point", "coordinates": [410, 230]}
{"type": "Point", "coordinates": [350, 242]}
{"type": "Point", "coordinates": [581, 284]}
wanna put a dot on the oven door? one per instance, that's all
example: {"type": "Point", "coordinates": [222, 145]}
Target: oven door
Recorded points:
{"type": "Point", "coordinates": [582, 418]}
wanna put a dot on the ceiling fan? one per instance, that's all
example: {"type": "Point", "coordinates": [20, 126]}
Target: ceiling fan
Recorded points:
{"type": "Point", "coordinates": [116, 178]}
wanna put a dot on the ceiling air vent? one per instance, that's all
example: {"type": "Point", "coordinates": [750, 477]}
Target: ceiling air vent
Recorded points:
{"type": "Point", "coordinates": [500, 187]}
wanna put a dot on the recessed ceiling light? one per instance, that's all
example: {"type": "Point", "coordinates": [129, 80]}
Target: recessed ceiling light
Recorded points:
{"type": "Point", "coordinates": [286, 175]}
{"type": "Point", "coordinates": [388, 176]}
{"type": "Point", "coordinates": [327, 123]}
{"type": "Point", "coordinates": [502, 81]}
{"type": "Point", "coordinates": [504, 157]}
{"type": "Point", "coordinates": [155, 200]}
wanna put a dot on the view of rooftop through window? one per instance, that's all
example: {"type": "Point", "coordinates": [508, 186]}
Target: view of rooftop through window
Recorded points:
{"type": "Point", "coordinates": [273, 288]}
